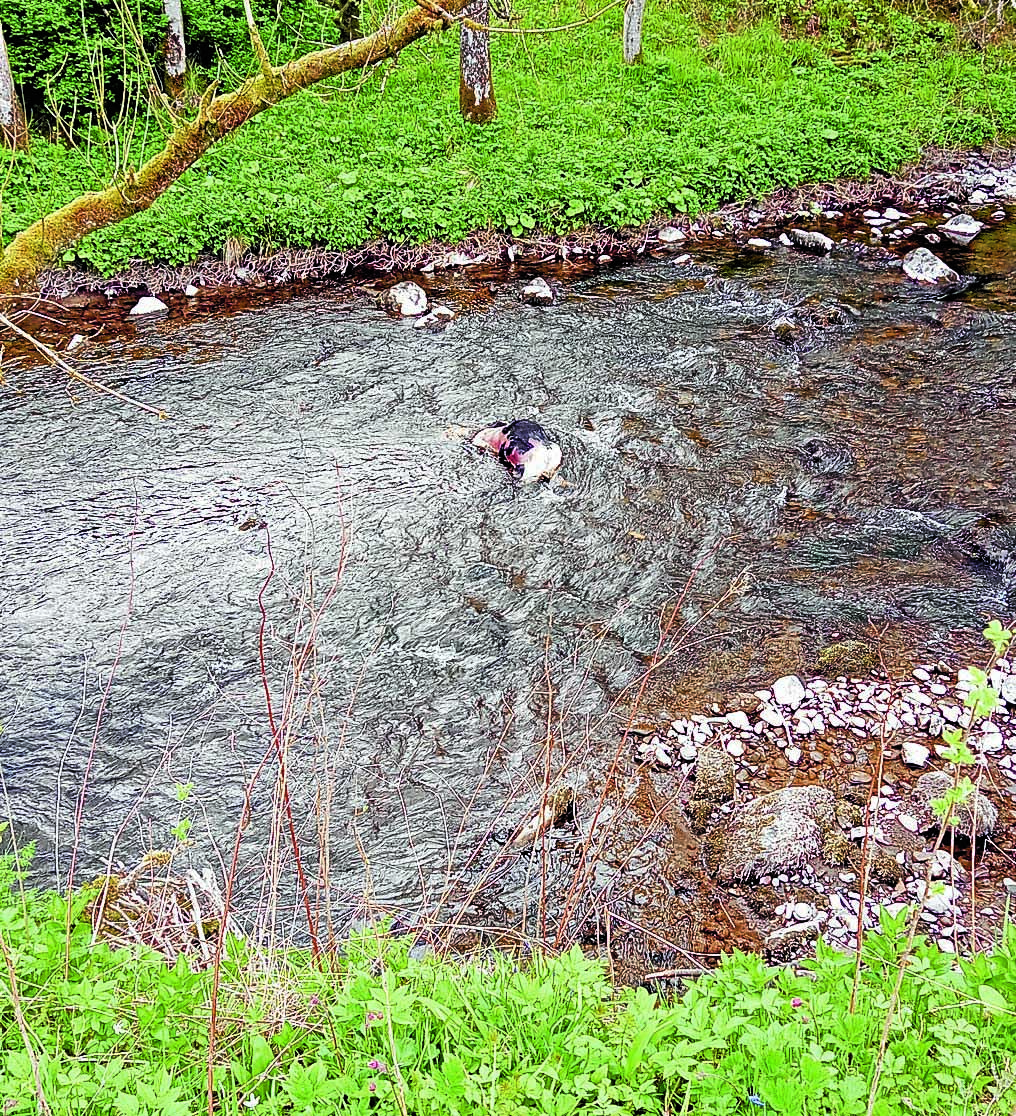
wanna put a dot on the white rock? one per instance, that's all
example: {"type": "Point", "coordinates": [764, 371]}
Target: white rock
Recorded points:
{"type": "Point", "coordinates": [739, 720]}
{"type": "Point", "coordinates": [793, 754]}
{"type": "Point", "coordinates": [76, 342]}
{"type": "Point", "coordinates": [771, 717]}
{"type": "Point", "coordinates": [439, 316]}
{"type": "Point", "coordinates": [538, 292]}
{"type": "Point", "coordinates": [148, 305]}
{"type": "Point", "coordinates": [1008, 690]}
{"type": "Point", "coordinates": [894, 215]}
{"type": "Point", "coordinates": [190, 290]}
{"type": "Point", "coordinates": [670, 235]}
{"type": "Point", "coordinates": [408, 299]}
{"type": "Point", "coordinates": [921, 674]}
{"type": "Point", "coordinates": [979, 197]}
{"type": "Point", "coordinates": [689, 753]}
{"type": "Point", "coordinates": [786, 241]}
{"type": "Point", "coordinates": [925, 267]}
{"type": "Point", "coordinates": [734, 748]}
{"type": "Point", "coordinates": [759, 242]}
{"type": "Point", "coordinates": [803, 912]}
{"type": "Point", "coordinates": [961, 229]}
{"type": "Point", "coordinates": [789, 691]}
{"type": "Point", "coordinates": [869, 213]}
{"type": "Point", "coordinates": [803, 726]}
{"type": "Point", "coordinates": [811, 241]}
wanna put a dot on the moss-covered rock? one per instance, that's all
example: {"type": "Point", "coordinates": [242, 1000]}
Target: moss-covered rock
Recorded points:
{"type": "Point", "coordinates": [851, 657]}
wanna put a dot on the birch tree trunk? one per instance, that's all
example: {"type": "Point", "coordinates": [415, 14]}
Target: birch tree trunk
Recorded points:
{"type": "Point", "coordinates": [176, 48]}
{"type": "Point", "coordinates": [633, 12]}
{"type": "Point", "coordinates": [476, 81]}
{"type": "Point", "coordinates": [12, 119]}
{"type": "Point", "coordinates": [41, 244]}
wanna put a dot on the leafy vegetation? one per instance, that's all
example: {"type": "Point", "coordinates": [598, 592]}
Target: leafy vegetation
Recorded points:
{"type": "Point", "coordinates": [382, 1028]}
{"type": "Point", "coordinates": [712, 115]}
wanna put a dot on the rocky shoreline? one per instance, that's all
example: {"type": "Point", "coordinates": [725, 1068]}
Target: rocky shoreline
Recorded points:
{"type": "Point", "coordinates": [875, 218]}
{"type": "Point", "coordinates": [855, 829]}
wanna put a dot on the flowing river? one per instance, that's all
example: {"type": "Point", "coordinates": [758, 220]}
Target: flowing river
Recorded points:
{"type": "Point", "coordinates": [426, 624]}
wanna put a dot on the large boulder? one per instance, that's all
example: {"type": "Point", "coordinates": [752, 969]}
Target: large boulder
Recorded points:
{"type": "Point", "coordinates": [925, 267]}
{"type": "Point", "coordinates": [775, 833]}
{"type": "Point", "coordinates": [407, 299]}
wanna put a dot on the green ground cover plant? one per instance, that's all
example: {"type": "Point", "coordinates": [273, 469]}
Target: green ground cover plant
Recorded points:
{"type": "Point", "coordinates": [384, 1027]}
{"type": "Point", "coordinates": [712, 115]}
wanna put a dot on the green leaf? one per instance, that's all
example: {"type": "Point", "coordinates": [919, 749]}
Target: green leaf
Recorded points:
{"type": "Point", "coordinates": [261, 1055]}
{"type": "Point", "coordinates": [993, 1000]}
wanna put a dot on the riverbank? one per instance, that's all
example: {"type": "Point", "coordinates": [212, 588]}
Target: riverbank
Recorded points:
{"type": "Point", "coordinates": [727, 106]}
{"type": "Point", "coordinates": [384, 1023]}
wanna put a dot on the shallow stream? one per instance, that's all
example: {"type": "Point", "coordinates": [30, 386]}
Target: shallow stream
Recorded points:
{"type": "Point", "coordinates": [857, 474]}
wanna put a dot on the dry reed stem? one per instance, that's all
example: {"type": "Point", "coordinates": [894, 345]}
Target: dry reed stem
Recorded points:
{"type": "Point", "coordinates": [19, 1017]}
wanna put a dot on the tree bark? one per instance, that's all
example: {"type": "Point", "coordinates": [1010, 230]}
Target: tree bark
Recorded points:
{"type": "Point", "coordinates": [12, 119]}
{"type": "Point", "coordinates": [176, 48]}
{"type": "Point", "coordinates": [40, 245]}
{"type": "Point", "coordinates": [476, 83]}
{"type": "Point", "coordinates": [633, 12]}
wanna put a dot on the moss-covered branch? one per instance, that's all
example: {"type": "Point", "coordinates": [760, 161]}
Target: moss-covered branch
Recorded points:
{"type": "Point", "coordinates": [44, 242]}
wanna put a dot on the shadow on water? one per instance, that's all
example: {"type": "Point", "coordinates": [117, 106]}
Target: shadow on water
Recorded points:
{"type": "Point", "coordinates": [860, 474]}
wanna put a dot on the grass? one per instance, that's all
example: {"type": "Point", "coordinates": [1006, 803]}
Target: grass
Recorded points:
{"type": "Point", "coordinates": [385, 1027]}
{"type": "Point", "coordinates": [808, 90]}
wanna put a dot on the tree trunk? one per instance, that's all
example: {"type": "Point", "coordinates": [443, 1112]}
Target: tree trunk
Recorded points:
{"type": "Point", "coordinates": [40, 245]}
{"type": "Point", "coordinates": [176, 48]}
{"type": "Point", "coordinates": [12, 119]}
{"type": "Point", "coordinates": [633, 12]}
{"type": "Point", "coordinates": [476, 83]}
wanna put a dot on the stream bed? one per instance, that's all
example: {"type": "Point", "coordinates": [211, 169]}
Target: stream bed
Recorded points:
{"type": "Point", "coordinates": [427, 626]}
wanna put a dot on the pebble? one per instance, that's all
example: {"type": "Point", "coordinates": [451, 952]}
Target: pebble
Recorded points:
{"type": "Point", "coordinates": [670, 235]}
{"type": "Point", "coordinates": [908, 821]}
{"type": "Point", "coordinates": [759, 242]}
{"type": "Point", "coordinates": [739, 720]}
{"type": "Point", "coordinates": [803, 912]}
{"type": "Point", "coordinates": [190, 290]}
{"type": "Point", "coordinates": [914, 754]}
{"type": "Point", "coordinates": [793, 754]}
{"type": "Point", "coordinates": [735, 748]}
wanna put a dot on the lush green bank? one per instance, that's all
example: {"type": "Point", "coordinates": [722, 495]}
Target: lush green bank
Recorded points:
{"type": "Point", "coordinates": [88, 1029]}
{"type": "Point", "coordinates": [712, 115]}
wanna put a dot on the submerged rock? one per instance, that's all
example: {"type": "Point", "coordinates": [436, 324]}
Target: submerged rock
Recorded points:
{"type": "Point", "coordinates": [925, 267]}
{"type": "Point", "coordinates": [851, 657]}
{"type": "Point", "coordinates": [407, 299]}
{"type": "Point", "coordinates": [775, 833]}
{"type": "Point", "coordinates": [827, 459]}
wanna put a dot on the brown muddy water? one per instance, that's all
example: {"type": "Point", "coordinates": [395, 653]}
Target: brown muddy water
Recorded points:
{"type": "Point", "coordinates": [772, 495]}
